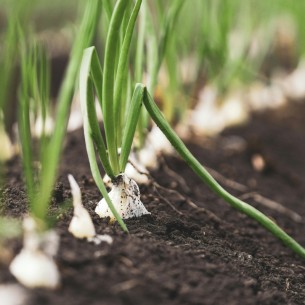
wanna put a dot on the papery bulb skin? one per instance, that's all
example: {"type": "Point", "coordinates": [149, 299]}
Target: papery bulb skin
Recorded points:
{"type": "Point", "coordinates": [125, 196]}
{"type": "Point", "coordinates": [81, 225]}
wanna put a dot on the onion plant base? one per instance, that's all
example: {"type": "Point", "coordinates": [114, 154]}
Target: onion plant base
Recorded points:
{"type": "Point", "coordinates": [125, 196]}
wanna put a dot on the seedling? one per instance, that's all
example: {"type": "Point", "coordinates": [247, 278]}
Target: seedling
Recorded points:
{"type": "Point", "coordinates": [34, 265]}
{"type": "Point", "coordinates": [90, 73]}
{"type": "Point", "coordinates": [109, 96]}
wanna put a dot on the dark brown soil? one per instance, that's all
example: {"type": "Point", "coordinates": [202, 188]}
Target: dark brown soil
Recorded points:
{"type": "Point", "coordinates": [182, 254]}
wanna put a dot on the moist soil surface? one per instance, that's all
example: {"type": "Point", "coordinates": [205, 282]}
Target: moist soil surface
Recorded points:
{"type": "Point", "coordinates": [193, 248]}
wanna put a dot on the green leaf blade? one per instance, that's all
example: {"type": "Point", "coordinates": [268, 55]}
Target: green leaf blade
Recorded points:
{"type": "Point", "coordinates": [108, 82]}
{"type": "Point", "coordinates": [131, 124]}
{"type": "Point", "coordinates": [203, 174]}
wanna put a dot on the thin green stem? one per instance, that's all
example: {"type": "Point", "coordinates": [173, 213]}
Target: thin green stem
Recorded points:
{"type": "Point", "coordinates": [9, 54]}
{"type": "Point", "coordinates": [131, 124]}
{"type": "Point", "coordinates": [108, 82]}
{"type": "Point", "coordinates": [96, 75]}
{"type": "Point", "coordinates": [202, 173]}
{"type": "Point", "coordinates": [140, 43]}
{"type": "Point", "coordinates": [122, 66]}
{"type": "Point", "coordinates": [24, 127]}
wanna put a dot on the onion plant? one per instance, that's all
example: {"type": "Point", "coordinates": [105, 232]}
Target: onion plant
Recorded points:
{"type": "Point", "coordinates": [157, 41]}
{"type": "Point", "coordinates": [221, 41]}
{"type": "Point", "coordinates": [9, 48]}
{"type": "Point", "coordinates": [34, 266]}
{"type": "Point", "coordinates": [104, 84]}
{"type": "Point", "coordinates": [34, 102]}
{"type": "Point", "coordinates": [34, 99]}
{"type": "Point", "coordinates": [108, 87]}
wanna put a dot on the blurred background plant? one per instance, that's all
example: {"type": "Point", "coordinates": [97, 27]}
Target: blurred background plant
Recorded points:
{"type": "Point", "coordinates": [232, 44]}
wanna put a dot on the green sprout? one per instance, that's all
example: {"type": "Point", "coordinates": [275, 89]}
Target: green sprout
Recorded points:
{"type": "Point", "coordinates": [141, 95]}
{"type": "Point", "coordinates": [107, 86]}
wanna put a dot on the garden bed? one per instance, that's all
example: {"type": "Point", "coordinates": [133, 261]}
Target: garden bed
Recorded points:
{"type": "Point", "coordinates": [182, 254]}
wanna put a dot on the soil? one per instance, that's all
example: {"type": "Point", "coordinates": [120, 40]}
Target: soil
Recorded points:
{"type": "Point", "coordinates": [182, 253]}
